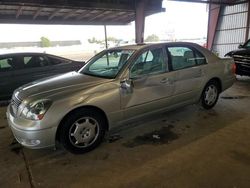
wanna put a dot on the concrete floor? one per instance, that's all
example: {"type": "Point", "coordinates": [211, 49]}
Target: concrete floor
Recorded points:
{"type": "Point", "coordinates": [189, 147]}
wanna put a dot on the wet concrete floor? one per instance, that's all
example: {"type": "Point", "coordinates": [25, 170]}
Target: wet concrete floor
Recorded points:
{"type": "Point", "coordinates": [188, 147]}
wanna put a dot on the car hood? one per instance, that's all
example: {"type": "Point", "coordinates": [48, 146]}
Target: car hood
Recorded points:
{"type": "Point", "coordinates": [241, 51]}
{"type": "Point", "coordinates": [66, 82]}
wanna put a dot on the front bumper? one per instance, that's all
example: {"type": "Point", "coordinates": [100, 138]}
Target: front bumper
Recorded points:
{"type": "Point", "coordinates": [243, 69]}
{"type": "Point", "coordinates": [33, 139]}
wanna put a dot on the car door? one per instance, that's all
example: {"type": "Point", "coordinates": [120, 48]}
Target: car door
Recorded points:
{"type": "Point", "coordinates": [35, 67]}
{"type": "Point", "coordinates": [188, 64]}
{"type": "Point", "coordinates": [152, 84]}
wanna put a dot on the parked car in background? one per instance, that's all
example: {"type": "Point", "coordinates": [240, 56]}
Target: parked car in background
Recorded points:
{"type": "Point", "coordinates": [21, 68]}
{"type": "Point", "coordinates": [116, 86]}
{"type": "Point", "coordinates": [242, 59]}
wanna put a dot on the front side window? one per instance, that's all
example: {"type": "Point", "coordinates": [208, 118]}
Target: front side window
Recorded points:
{"type": "Point", "coordinates": [108, 64]}
{"type": "Point", "coordinates": [149, 62]}
{"type": "Point", "coordinates": [184, 57]}
{"type": "Point", "coordinates": [35, 61]}
{"type": "Point", "coordinates": [12, 63]}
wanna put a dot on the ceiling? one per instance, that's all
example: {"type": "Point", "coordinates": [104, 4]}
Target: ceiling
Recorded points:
{"type": "Point", "coordinates": [75, 12]}
{"type": "Point", "coordinates": [220, 2]}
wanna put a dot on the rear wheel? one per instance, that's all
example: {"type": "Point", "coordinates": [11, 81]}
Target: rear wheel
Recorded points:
{"type": "Point", "coordinates": [210, 94]}
{"type": "Point", "coordinates": [82, 131]}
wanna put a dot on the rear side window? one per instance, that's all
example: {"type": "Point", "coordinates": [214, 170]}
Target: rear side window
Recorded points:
{"type": "Point", "coordinates": [149, 62]}
{"type": "Point", "coordinates": [56, 61]}
{"type": "Point", "coordinates": [185, 57]}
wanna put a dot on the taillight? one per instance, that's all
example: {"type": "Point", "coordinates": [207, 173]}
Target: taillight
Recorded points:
{"type": "Point", "coordinates": [234, 68]}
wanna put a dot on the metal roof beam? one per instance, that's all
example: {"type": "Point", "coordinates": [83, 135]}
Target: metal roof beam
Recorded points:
{"type": "Point", "coordinates": [112, 16]}
{"type": "Point", "coordinates": [70, 14]}
{"type": "Point", "coordinates": [100, 4]}
{"type": "Point", "coordinates": [218, 2]}
{"type": "Point", "coordinates": [84, 14]}
{"type": "Point", "coordinates": [54, 14]}
{"type": "Point", "coordinates": [19, 12]}
{"type": "Point", "coordinates": [98, 15]}
{"type": "Point", "coordinates": [39, 10]}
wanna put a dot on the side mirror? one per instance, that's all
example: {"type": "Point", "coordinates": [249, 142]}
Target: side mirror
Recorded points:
{"type": "Point", "coordinates": [240, 46]}
{"type": "Point", "coordinates": [127, 85]}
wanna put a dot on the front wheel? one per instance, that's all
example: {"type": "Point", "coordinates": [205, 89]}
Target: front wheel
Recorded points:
{"type": "Point", "coordinates": [210, 95]}
{"type": "Point", "coordinates": [82, 131]}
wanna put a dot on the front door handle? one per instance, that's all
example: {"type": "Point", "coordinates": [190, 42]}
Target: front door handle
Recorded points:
{"type": "Point", "coordinates": [166, 81]}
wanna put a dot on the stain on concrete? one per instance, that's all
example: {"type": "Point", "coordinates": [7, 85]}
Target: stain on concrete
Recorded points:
{"type": "Point", "coordinates": [163, 136]}
{"type": "Point", "coordinates": [205, 117]}
{"type": "Point", "coordinates": [113, 138]}
{"type": "Point", "coordinates": [19, 177]}
{"type": "Point", "coordinates": [234, 97]}
{"type": "Point", "coordinates": [3, 127]}
{"type": "Point", "coordinates": [174, 121]}
{"type": "Point", "coordinates": [15, 147]}
{"type": "Point", "coordinates": [105, 156]}
{"type": "Point", "coordinates": [66, 162]}
{"type": "Point", "coordinates": [212, 113]}
{"type": "Point", "coordinates": [241, 157]}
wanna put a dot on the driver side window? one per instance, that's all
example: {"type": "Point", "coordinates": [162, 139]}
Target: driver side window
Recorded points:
{"type": "Point", "coordinates": [149, 62]}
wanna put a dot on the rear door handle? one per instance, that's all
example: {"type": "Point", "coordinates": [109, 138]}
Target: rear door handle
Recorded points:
{"type": "Point", "coordinates": [198, 73]}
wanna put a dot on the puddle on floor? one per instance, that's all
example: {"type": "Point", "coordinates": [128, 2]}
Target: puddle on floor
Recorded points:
{"type": "Point", "coordinates": [113, 138]}
{"type": "Point", "coordinates": [234, 97]}
{"type": "Point", "coordinates": [241, 157]}
{"type": "Point", "coordinates": [163, 136]}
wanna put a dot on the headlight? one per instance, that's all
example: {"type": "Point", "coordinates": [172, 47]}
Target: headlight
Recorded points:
{"type": "Point", "coordinates": [36, 110]}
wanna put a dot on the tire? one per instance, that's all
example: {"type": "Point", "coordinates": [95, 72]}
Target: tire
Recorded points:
{"type": "Point", "coordinates": [210, 94]}
{"type": "Point", "coordinates": [82, 131]}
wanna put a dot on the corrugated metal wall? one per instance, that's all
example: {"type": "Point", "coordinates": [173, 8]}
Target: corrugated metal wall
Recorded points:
{"type": "Point", "coordinates": [231, 29]}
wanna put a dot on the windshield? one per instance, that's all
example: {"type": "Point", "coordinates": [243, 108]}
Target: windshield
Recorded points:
{"type": "Point", "coordinates": [107, 64]}
{"type": "Point", "coordinates": [247, 44]}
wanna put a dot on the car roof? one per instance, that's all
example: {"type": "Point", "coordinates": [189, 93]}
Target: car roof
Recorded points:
{"type": "Point", "coordinates": [30, 53]}
{"type": "Point", "coordinates": [146, 45]}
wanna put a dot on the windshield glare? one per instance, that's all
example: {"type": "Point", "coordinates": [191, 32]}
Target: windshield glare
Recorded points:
{"type": "Point", "coordinates": [107, 64]}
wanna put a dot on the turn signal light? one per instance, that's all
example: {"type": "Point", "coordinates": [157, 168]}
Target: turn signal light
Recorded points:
{"type": "Point", "coordinates": [234, 68]}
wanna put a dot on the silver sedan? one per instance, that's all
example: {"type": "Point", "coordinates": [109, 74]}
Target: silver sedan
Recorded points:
{"type": "Point", "coordinates": [116, 86]}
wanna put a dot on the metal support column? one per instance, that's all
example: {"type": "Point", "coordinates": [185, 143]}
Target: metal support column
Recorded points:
{"type": "Point", "coordinates": [106, 38]}
{"type": "Point", "coordinates": [248, 22]}
{"type": "Point", "coordinates": [214, 13]}
{"type": "Point", "coordinates": [140, 20]}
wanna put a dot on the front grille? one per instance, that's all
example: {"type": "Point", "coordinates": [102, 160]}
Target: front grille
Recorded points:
{"type": "Point", "coordinates": [242, 59]}
{"type": "Point", "coordinates": [15, 102]}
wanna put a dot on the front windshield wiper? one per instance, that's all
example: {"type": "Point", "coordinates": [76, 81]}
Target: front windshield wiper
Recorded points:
{"type": "Point", "coordinates": [95, 75]}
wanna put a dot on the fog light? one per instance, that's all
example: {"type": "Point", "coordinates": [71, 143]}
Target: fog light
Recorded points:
{"type": "Point", "coordinates": [27, 142]}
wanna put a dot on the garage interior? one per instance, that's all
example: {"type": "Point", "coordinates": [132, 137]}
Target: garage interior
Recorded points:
{"type": "Point", "coordinates": [196, 148]}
